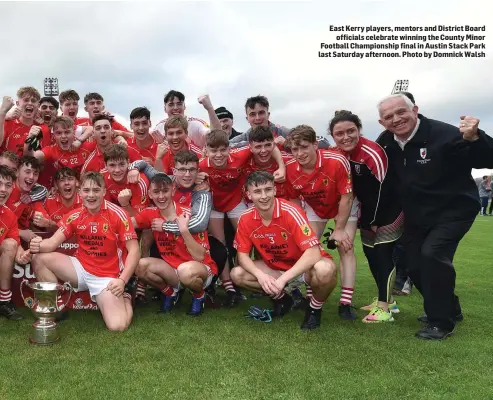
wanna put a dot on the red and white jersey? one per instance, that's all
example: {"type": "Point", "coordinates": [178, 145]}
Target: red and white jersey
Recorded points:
{"type": "Point", "coordinates": [101, 237]}
{"type": "Point", "coordinates": [95, 160]}
{"type": "Point", "coordinates": [59, 158]}
{"type": "Point", "coordinates": [8, 225]}
{"type": "Point", "coordinates": [283, 242]}
{"type": "Point", "coordinates": [56, 209]}
{"type": "Point", "coordinates": [147, 154]}
{"type": "Point", "coordinates": [24, 212]}
{"type": "Point", "coordinates": [322, 189]}
{"type": "Point", "coordinates": [197, 129]}
{"type": "Point", "coordinates": [226, 184]}
{"type": "Point", "coordinates": [183, 196]}
{"type": "Point", "coordinates": [172, 247]}
{"type": "Point", "coordinates": [168, 159]}
{"type": "Point", "coordinates": [139, 190]}
{"type": "Point", "coordinates": [282, 189]}
{"type": "Point", "coordinates": [15, 134]}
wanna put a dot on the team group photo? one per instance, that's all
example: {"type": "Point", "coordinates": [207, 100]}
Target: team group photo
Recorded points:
{"type": "Point", "coordinates": [241, 245]}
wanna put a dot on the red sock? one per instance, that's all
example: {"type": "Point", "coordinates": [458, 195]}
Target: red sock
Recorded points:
{"type": "Point", "coordinates": [316, 304]}
{"type": "Point", "coordinates": [346, 295]}
{"type": "Point", "coordinates": [308, 292]}
{"type": "Point", "coordinates": [228, 285]}
{"type": "Point", "coordinates": [5, 295]}
{"type": "Point", "coordinates": [141, 289]}
{"type": "Point", "coordinates": [167, 291]}
{"type": "Point", "coordinates": [200, 295]}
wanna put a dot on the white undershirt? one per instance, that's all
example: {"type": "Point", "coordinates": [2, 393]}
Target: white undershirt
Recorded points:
{"type": "Point", "coordinates": [402, 143]}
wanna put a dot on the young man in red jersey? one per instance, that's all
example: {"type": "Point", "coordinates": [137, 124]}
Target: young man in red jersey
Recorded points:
{"type": "Point", "coordinates": [94, 106]}
{"type": "Point", "coordinates": [62, 153]}
{"type": "Point", "coordinates": [322, 179]}
{"type": "Point", "coordinates": [101, 229]}
{"type": "Point", "coordinates": [174, 105]}
{"type": "Point", "coordinates": [103, 136]}
{"type": "Point", "coordinates": [176, 139]}
{"type": "Point", "coordinates": [185, 258]}
{"type": "Point", "coordinates": [31, 213]}
{"type": "Point", "coordinates": [289, 249]}
{"type": "Point", "coordinates": [9, 245]}
{"type": "Point", "coordinates": [132, 197]}
{"type": "Point", "coordinates": [48, 110]}
{"type": "Point", "coordinates": [14, 132]}
{"type": "Point", "coordinates": [225, 174]}
{"type": "Point", "coordinates": [64, 200]}
{"type": "Point", "coordinates": [143, 142]}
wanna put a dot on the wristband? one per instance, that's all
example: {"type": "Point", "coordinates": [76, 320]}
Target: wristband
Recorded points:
{"type": "Point", "coordinates": [122, 280]}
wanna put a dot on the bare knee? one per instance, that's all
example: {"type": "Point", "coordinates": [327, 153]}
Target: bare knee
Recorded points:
{"type": "Point", "coordinates": [117, 324]}
{"type": "Point", "coordinates": [9, 246]}
{"type": "Point", "coordinates": [238, 275]}
{"type": "Point", "coordinates": [325, 271]}
{"type": "Point", "coordinates": [141, 269]}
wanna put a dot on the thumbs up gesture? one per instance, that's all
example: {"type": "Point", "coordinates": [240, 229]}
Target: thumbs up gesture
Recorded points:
{"type": "Point", "coordinates": [469, 128]}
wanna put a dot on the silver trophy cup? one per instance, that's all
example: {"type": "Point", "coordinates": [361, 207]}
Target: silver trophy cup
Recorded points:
{"type": "Point", "coordinates": [45, 308]}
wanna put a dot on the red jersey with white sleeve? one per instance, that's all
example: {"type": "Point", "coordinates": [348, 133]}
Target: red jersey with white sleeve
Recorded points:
{"type": "Point", "coordinates": [139, 190]}
{"type": "Point", "coordinates": [197, 129]}
{"type": "Point", "coordinates": [283, 242]}
{"type": "Point", "coordinates": [8, 225]}
{"type": "Point", "coordinates": [95, 160]}
{"type": "Point", "coordinates": [15, 134]}
{"type": "Point", "coordinates": [56, 209]}
{"type": "Point", "coordinates": [24, 212]}
{"type": "Point", "coordinates": [101, 237]}
{"type": "Point", "coordinates": [72, 159]}
{"type": "Point", "coordinates": [322, 189]}
{"type": "Point", "coordinates": [226, 184]}
{"type": "Point", "coordinates": [172, 247]}
{"type": "Point", "coordinates": [282, 189]}
{"type": "Point", "coordinates": [168, 159]}
{"type": "Point", "coordinates": [148, 153]}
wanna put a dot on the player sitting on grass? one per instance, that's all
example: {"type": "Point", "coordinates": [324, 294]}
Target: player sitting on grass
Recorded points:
{"type": "Point", "coordinates": [289, 249]}
{"type": "Point", "coordinates": [185, 258]}
{"type": "Point", "coordinates": [101, 229]}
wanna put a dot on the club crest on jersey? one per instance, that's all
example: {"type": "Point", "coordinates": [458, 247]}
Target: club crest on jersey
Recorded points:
{"type": "Point", "coordinates": [422, 153]}
{"type": "Point", "coordinates": [125, 222]}
{"type": "Point", "coordinates": [105, 228]}
{"type": "Point", "coordinates": [284, 235]}
{"type": "Point", "coordinates": [357, 169]}
{"type": "Point", "coordinates": [306, 230]}
{"type": "Point", "coordinates": [326, 182]}
{"type": "Point", "coordinates": [143, 200]}
{"type": "Point", "coordinates": [70, 219]}
{"type": "Point", "coordinates": [2, 230]}
{"type": "Point", "coordinates": [201, 235]}
{"type": "Point", "coordinates": [182, 199]}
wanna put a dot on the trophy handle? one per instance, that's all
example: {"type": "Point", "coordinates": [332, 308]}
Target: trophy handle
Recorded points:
{"type": "Point", "coordinates": [66, 287]}
{"type": "Point", "coordinates": [24, 282]}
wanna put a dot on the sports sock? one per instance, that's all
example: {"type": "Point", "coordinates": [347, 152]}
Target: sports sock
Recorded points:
{"type": "Point", "coordinates": [141, 289]}
{"type": "Point", "coordinates": [5, 295]}
{"type": "Point", "coordinates": [199, 295]}
{"type": "Point", "coordinates": [167, 290]}
{"type": "Point", "coordinates": [228, 285]}
{"type": "Point", "coordinates": [308, 292]}
{"type": "Point", "coordinates": [316, 304]}
{"type": "Point", "coordinates": [346, 295]}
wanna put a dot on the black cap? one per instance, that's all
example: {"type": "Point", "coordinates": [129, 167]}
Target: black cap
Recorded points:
{"type": "Point", "coordinates": [221, 113]}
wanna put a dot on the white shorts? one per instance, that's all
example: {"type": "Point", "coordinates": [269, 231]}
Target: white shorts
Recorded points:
{"type": "Point", "coordinates": [353, 215]}
{"type": "Point", "coordinates": [86, 281]}
{"type": "Point", "coordinates": [207, 281]}
{"type": "Point", "coordinates": [233, 214]}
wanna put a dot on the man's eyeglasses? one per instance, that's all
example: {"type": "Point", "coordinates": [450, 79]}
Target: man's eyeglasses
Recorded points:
{"type": "Point", "coordinates": [183, 171]}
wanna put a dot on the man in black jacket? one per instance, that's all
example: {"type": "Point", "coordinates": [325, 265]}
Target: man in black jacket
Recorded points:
{"type": "Point", "coordinates": [432, 161]}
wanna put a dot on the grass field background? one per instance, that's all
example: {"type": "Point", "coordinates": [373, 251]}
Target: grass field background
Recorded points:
{"type": "Point", "coordinates": [222, 355]}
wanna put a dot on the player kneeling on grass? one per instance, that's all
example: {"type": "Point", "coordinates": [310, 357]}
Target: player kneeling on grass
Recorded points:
{"type": "Point", "coordinates": [101, 229]}
{"type": "Point", "coordinates": [289, 249]}
{"type": "Point", "coordinates": [186, 261]}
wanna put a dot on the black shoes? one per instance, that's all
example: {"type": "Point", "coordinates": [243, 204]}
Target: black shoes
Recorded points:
{"type": "Point", "coordinates": [282, 306]}
{"type": "Point", "coordinates": [433, 332]}
{"type": "Point", "coordinates": [7, 309]}
{"type": "Point", "coordinates": [346, 312]}
{"type": "Point", "coordinates": [312, 319]}
{"type": "Point", "coordinates": [424, 318]}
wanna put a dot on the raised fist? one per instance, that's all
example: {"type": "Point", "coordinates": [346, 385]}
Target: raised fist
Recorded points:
{"type": "Point", "coordinates": [205, 101]}
{"type": "Point", "coordinates": [7, 104]}
{"type": "Point", "coordinates": [469, 127]}
{"type": "Point", "coordinates": [124, 197]}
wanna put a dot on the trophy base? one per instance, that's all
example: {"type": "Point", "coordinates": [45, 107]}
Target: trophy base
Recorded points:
{"type": "Point", "coordinates": [44, 334]}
